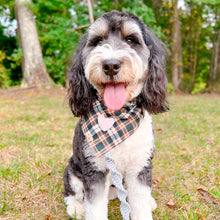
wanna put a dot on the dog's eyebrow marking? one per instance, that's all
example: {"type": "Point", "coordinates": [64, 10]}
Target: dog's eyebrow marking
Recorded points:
{"type": "Point", "coordinates": [98, 28]}
{"type": "Point", "coordinates": [130, 28]}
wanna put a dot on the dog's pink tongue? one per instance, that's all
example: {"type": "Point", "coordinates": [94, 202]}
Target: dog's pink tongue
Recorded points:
{"type": "Point", "coordinates": [114, 96]}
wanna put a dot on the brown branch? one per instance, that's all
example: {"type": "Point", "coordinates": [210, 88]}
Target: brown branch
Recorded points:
{"type": "Point", "coordinates": [81, 27]}
{"type": "Point", "coordinates": [91, 17]}
{"type": "Point", "coordinates": [78, 28]}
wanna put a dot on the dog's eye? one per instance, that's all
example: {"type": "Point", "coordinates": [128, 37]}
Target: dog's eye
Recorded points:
{"type": "Point", "coordinates": [97, 41]}
{"type": "Point", "coordinates": [131, 40]}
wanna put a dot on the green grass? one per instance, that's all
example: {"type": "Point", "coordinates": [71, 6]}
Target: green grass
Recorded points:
{"type": "Point", "coordinates": [35, 144]}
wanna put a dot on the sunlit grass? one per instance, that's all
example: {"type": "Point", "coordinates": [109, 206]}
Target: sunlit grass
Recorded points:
{"type": "Point", "coordinates": [187, 158]}
{"type": "Point", "coordinates": [35, 144]}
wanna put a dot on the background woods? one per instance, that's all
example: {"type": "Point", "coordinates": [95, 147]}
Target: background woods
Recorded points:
{"type": "Point", "coordinates": [38, 39]}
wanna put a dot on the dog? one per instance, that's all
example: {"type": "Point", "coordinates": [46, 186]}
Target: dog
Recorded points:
{"type": "Point", "coordinates": [118, 60]}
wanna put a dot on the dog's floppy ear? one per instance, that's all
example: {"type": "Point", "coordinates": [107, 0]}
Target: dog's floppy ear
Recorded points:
{"type": "Point", "coordinates": [80, 91]}
{"type": "Point", "coordinates": [155, 87]}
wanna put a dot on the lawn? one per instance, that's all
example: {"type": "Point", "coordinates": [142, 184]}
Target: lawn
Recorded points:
{"type": "Point", "coordinates": [35, 144]}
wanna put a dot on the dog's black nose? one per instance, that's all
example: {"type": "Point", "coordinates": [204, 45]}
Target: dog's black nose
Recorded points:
{"type": "Point", "coordinates": [111, 67]}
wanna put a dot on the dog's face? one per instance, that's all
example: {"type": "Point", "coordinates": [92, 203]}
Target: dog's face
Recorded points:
{"type": "Point", "coordinates": [120, 59]}
{"type": "Point", "coordinates": [115, 59]}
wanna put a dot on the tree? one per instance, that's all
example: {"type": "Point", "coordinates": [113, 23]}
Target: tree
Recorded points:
{"type": "Point", "coordinates": [199, 34]}
{"type": "Point", "coordinates": [215, 60]}
{"type": "Point", "coordinates": [214, 75]}
{"type": "Point", "coordinates": [195, 32]}
{"type": "Point", "coordinates": [176, 48]}
{"type": "Point", "coordinates": [167, 16]}
{"type": "Point", "coordinates": [33, 66]}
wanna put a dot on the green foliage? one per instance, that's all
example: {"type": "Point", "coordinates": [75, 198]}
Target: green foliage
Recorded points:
{"type": "Point", "coordinates": [146, 14]}
{"type": "Point", "coordinates": [15, 66]}
{"type": "Point", "coordinates": [61, 24]}
{"type": "Point", "coordinates": [9, 45]}
{"type": "Point", "coordinates": [12, 75]}
{"type": "Point", "coordinates": [190, 31]}
{"type": "Point", "coordinates": [197, 27]}
{"type": "Point", "coordinates": [56, 34]}
{"type": "Point", "coordinates": [170, 88]}
{"type": "Point", "coordinates": [4, 73]}
{"type": "Point", "coordinates": [10, 61]}
{"type": "Point", "coordinates": [199, 86]}
{"type": "Point", "coordinates": [211, 2]}
{"type": "Point", "coordinates": [104, 6]}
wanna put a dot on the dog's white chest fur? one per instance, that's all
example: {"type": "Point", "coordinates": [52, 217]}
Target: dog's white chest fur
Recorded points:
{"type": "Point", "coordinates": [136, 149]}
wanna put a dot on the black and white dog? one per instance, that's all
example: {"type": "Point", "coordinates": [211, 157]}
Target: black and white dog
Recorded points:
{"type": "Point", "coordinates": [117, 49]}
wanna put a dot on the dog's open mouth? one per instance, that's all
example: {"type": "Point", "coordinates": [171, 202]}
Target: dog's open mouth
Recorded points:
{"type": "Point", "coordinates": [115, 95]}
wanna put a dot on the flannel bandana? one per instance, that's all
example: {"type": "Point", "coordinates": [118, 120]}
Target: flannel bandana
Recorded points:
{"type": "Point", "coordinates": [105, 129]}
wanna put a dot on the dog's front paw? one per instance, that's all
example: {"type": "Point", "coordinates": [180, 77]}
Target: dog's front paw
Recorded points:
{"type": "Point", "coordinates": [75, 209]}
{"type": "Point", "coordinates": [153, 204]}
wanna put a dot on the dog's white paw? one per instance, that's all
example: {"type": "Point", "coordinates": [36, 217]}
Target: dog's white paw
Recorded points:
{"type": "Point", "coordinates": [75, 209]}
{"type": "Point", "coordinates": [153, 204]}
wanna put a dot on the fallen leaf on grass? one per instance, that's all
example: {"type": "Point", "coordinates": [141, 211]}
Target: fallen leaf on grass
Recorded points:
{"type": "Point", "coordinates": [43, 192]}
{"type": "Point", "coordinates": [211, 142]}
{"type": "Point", "coordinates": [49, 217]}
{"type": "Point", "coordinates": [158, 179]}
{"type": "Point", "coordinates": [207, 197]}
{"type": "Point", "coordinates": [185, 184]}
{"type": "Point", "coordinates": [171, 203]}
{"type": "Point", "coordinates": [53, 129]}
{"type": "Point", "coordinates": [182, 148]}
{"type": "Point", "coordinates": [199, 217]}
{"type": "Point", "coordinates": [203, 192]}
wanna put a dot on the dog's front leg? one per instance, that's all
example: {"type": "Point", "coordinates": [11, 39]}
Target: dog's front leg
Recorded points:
{"type": "Point", "coordinates": [96, 201]}
{"type": "Point", "coordinates": [139, 194]}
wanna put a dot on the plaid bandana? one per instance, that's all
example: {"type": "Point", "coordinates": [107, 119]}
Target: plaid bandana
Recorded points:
{"type": "Point", "coordinates": [105, 129]}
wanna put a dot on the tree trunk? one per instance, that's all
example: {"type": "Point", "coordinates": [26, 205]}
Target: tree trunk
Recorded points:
{"type": "Point", "coordinates": [33, 66]}
{"type": "Point", "coordinates": [191, 42]}
{"type": "Point", "coordinates": [196, 50]}
{"type": "Point", "coordinates": [176, 49]}
{"type": "Point", "coordinates": [214, 75]}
